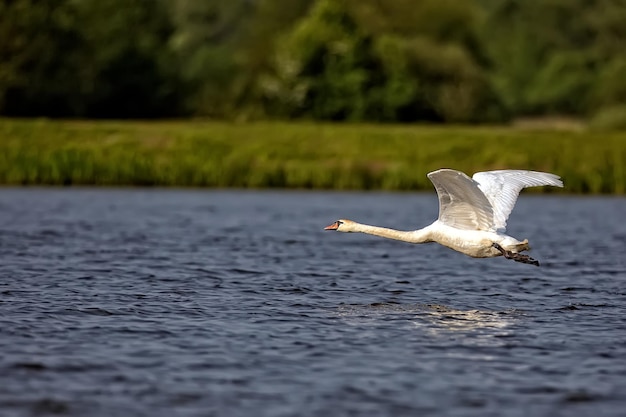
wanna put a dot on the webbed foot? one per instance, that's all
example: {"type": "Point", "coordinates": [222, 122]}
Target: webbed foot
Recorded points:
{"type": "Point", "coordinates": [517, 257]}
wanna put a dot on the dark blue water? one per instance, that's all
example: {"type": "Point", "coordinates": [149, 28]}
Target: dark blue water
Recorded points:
{"type": "Point", "coordinates": [205, 303]}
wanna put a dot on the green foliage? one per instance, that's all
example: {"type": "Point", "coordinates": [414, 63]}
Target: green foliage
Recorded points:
{"type": "Point", "coordinates": [128, 72]}
{"type": "Point", "coordinates": [62, 58]}
{"type": "Point", "coordinates": [610, 118]}
{"type": "Point", "coordinates": [559, 85]}
{"type": "Point", "coordinates": [318, 68]}
{"type": "Point", "coordinates": [34, 75]}
{"type": "Point", "coordinates": [203, 40]}
{"type": "Point", "coordinates": [345, 60]}
{"type": "Point", "coordinates": [390, 61]}
{"type": "Point", "coordinates": [557, 56]}
{"type": "Point", "coordinates": [326, 156]}
{"type": "Point", "coordinates": [610, 84]}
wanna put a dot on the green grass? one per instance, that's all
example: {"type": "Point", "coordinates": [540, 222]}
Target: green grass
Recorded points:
{"type": "Point", "coordinates": [296, 155]}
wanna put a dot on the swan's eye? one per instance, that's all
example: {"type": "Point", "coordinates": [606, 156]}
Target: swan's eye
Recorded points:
{"type": "Point", "coordinates": [339, 222]}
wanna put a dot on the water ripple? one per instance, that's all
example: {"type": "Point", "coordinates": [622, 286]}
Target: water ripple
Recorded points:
{"type": "Point", "coordinates": [183, 302]}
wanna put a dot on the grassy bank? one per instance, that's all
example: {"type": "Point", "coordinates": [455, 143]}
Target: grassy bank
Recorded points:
{"type": "Point", "coordinates": [295, 155]}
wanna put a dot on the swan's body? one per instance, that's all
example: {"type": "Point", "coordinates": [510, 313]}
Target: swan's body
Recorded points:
{"type": "Point", "coordinates": [472, 213]}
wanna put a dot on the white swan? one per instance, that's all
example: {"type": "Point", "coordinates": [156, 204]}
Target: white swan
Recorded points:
{"type": "Point", "coordinates": [472, 213]}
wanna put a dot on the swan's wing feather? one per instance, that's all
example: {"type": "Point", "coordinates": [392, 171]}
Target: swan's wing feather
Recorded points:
{"type": "Point", "coordinates": [461, 203]}
{"type": "Point", "coordinates": [503, 187]}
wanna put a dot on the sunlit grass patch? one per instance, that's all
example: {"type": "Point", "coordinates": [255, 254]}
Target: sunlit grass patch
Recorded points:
{"type": "Point", "coordinates": [296, 155]}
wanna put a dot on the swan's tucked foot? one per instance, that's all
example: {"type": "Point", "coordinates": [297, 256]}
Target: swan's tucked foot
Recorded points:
{"type": "Point", "coordinates": [517, 257]}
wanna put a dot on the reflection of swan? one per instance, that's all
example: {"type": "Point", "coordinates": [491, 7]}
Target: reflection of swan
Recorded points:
{"type": "Point", "coordinates": [468, 327]}
{"type": "Point", "coordinates": [452, 319]}
{"type": "Point", "coordinates": [435, 319]}
{"type": "Point", "coordinates": [472, 213]}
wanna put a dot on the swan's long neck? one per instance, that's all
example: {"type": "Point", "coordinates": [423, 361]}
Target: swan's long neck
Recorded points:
{"type": "Point", "coordinates": [413, 236]}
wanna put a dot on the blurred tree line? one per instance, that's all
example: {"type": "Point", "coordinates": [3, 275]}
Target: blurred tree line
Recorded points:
{"type": "Point", "coordinates": [356, 60]}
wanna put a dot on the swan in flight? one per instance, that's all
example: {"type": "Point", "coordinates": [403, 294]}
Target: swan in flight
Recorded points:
{"type": "Point", "coordinates": [472, 213]}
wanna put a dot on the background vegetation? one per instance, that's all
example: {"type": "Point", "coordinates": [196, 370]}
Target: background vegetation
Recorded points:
{"type": "Point", "coordinates": [355, 60]}
{"type": "Point", "coordinates": [296, 155]}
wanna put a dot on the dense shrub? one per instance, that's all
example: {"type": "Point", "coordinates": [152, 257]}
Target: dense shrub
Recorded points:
{"type": "Point", "coordinates": [343, 60]}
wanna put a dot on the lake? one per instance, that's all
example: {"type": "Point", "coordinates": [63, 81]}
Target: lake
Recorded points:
{"type": "Point", "coordinates": [151, 302]}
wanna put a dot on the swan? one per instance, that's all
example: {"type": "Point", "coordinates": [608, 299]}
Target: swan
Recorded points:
{"type": "Point", "coordinates": [472, 213]}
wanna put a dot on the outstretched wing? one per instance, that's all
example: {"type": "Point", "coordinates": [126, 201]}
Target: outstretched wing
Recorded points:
{"type": "Point", "coordinates": [502, 188]}
{"type": "Point", "coordinates": [461, 203]}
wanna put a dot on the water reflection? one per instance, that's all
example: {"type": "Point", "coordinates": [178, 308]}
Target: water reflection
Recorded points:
{"type": "Point", "coordinates": [446, 318]}
{"type": "Point", "coordinates": [433, 318]}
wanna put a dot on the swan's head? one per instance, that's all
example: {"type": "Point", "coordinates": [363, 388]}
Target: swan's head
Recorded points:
{"type": "Point", "coordinates": [341, 225]}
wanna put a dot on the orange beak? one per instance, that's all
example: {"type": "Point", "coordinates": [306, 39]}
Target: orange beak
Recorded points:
{"type": "Point", "coordinates": [333, 226]}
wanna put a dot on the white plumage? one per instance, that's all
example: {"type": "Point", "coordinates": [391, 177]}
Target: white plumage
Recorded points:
{"type": "Point", "coordinates": [487, 198]}
{"type": "Point", "coordinates": [472, 213]}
